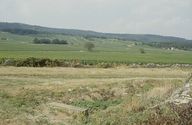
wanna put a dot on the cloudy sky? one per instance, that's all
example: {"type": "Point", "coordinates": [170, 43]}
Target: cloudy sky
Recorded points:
{"type": "Point", "coordinates": [163, 17]}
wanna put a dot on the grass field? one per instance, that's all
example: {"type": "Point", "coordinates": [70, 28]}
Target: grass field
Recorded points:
{"type": "Point", "coordinates": [118, 95]}
{"type": "Point", "coordinates": [21, 46]}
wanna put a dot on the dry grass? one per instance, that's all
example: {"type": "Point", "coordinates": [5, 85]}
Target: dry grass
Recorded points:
{"type": "Point", "coordinates": [94, 72]}
{"type": "Point", "coordinates": [159, 91]}
{"type": "Point", "coordinates": [24, 93]}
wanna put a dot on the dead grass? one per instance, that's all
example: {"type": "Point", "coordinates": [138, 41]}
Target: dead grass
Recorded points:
{"type": "Point", "coordinates": [24, 93]}
{"type": "Point", "coordinates": [94, 72]}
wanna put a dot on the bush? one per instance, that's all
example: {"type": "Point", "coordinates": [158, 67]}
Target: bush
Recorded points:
{"type": "Point", "coordinates": [34, 62]}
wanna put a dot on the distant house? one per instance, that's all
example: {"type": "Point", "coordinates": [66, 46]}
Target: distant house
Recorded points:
{"type": "Point", "coordinates": [171, 48]}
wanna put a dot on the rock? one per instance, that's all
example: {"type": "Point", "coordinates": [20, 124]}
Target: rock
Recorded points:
{"type": "Point", "coordinates": [9, 62]}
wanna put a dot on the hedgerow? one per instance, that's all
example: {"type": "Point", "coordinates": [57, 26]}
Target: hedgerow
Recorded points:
{"type": "Point", "coordinates": [46, 62]}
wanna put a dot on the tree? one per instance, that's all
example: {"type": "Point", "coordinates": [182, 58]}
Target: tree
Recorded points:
{"type": "Point", "coordinates": [89, 46]}
{"type": "Point", "coordinates": [36, 40]}
{"type": "Point", "coordinates": [142, 50]}
{"type": "Point", "coordinates": [55, 41]}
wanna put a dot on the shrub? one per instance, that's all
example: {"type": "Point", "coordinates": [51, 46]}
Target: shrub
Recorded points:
{"type": "Point", "coordinates": [34, 62]}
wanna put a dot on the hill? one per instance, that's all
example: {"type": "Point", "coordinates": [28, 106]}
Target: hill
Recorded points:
{"type": "Point", "coordinates": [19, 28]}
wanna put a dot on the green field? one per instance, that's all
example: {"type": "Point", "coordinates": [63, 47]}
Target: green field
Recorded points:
{"type": "Point", "coordinates": [113, 50]}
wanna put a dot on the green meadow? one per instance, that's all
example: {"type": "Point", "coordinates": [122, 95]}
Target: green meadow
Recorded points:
{"type": "Point", "coordinates": [113, 50]}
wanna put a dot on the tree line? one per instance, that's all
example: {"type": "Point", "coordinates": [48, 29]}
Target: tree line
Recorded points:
{"type": "Point", "coordinates": [178, 45]}
{"type": "Point", "coordinates": [48, 41]}
{"type": "Point", "coordinates": [20, 31]}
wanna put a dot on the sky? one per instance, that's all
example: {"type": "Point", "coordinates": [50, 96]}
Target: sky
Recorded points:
{"type": "Point", "coordinates": [162, 17]}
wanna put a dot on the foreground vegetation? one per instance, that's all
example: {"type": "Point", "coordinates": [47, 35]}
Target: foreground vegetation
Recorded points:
{"type": "Point", "coordinates": [113, 96]}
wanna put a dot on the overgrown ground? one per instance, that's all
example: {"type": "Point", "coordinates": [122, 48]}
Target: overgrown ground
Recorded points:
{"type": "Point", "coordinates": [112, 96]}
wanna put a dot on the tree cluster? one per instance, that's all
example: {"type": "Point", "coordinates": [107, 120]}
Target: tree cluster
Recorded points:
{"type": "Point", "coordinates": [48, 41]}
{"type": "Point", "coordinates": [3, 38]}
{"type": "Point", "coordinates": [178, 45]}
{"type": "Point", "coordinates": [21, 31]}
